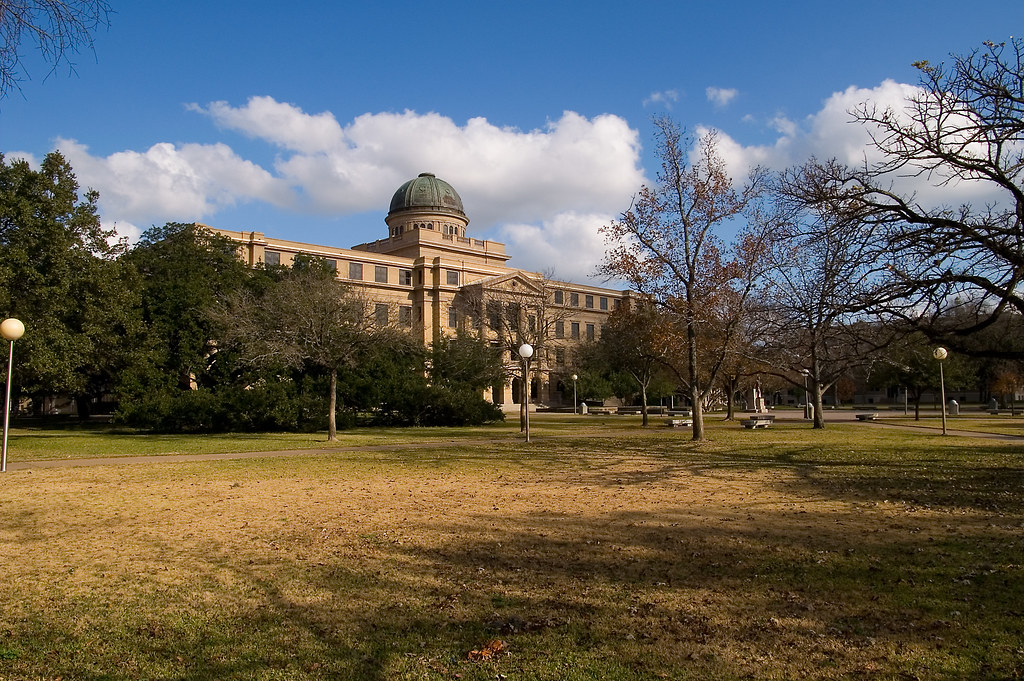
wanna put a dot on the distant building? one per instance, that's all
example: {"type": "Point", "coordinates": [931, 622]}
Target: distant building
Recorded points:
{"type": "Point", "coordinates": [429, 277]}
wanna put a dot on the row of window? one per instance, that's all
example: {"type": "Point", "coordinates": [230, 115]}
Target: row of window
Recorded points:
{"type": "Point", "coordinates": [356, 271]}
{"type": "Point", "coordinates": [574, 330]}
{"type": "Point", "coordinates": [588, 300]}
{"type": "Point", "coordinates": [382, 315]}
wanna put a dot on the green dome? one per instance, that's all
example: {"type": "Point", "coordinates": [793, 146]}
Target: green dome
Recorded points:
{"type": "Point", "coordinates": [427, 193]}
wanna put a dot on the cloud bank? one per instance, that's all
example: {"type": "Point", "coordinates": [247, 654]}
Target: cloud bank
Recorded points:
{"type": "Point", "coordinates": [508, 178]}
{"type": "Point", "coordinates": [545, 192]}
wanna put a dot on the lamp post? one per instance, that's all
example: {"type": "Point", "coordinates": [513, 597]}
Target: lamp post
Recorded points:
{"type": "Point", "coordinates": [526, 352]}
{"type": "Point", "coordinates": [11, 329]}
{"type": "Point", "coordinates": [941, 354]}
{"type": "Point", "coordinates": [575, 404]}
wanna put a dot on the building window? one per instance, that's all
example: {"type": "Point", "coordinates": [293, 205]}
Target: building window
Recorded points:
{"type": "Point", "coordinates": [559, 329]}
{"type": "Point", "coordinates": [405, 315]}
{"type": "Point", "coordinates": [494, 315]}
{"type": "Point", "coordinates": [380, 313]}
{"type": "Point", "coordinates": [380, 274]}
{"type": "Point", "coordinates": [576, 330]}
{"type": "Point", "coordinates": [532, 320]}
{"type": "Point", "coordinates": [560, 356]}
{"type": "Point", "coordinates": [332, 265]}
{"type": "Point", "coordinates": [559, 297]}
{"type": "Point", "coordinates": [615, 304]}
{"type": "Point", "coordinates": [574, 299]}
{"type": "Point", "coordinates": [405, 277]}
{"type": "Point", "coordinates": [453, 277]}
{"type": "Point", "coordinates": [355, 271]}
{"type": "Point", "coordinates": [590, 332]}
{"type": "Point", "coordinates": [272, 257]}
{"type": "Point", "coordinates": [590, 302]}
{"type": "Point", "coordinates": [453, 318]}
{"type": "Point", "coordinates": [604, 303]}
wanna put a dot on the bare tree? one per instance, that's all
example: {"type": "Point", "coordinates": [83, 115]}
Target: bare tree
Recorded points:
{"type": "Point", "coordinates": [823, 274]}
{"type": "Point", "coordinates": [308, 317]}
{"type": "Point", "coordinates": [59, 28]}
{"type": "Point", "coordinates": [953, 270]}
{"type": "Point", "coordinates": [513, 309]}
{"type": "Point", "coordinates": [668, 246]}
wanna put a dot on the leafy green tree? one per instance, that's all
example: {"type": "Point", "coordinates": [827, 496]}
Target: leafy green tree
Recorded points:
{"type": "Point", "coordinates": [184, 271]}
{"type": "Point", "coordinates": [633, 343]}
{"type": "Point", "coordinates": [60, 275]}
{"type": "Point", "coordinates": [464, 361]}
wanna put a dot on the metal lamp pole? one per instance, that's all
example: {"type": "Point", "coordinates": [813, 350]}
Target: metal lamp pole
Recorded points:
{"type": "Point", "coordinates": [941, 354]}
{"type": "Point", "coordinates": [575, 404]}
{"type": "Point", "coordinates": [11, 329]}
{"type": "Point", "coordinates": [526, 352]}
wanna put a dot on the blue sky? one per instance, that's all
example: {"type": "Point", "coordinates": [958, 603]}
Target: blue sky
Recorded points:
{"type": "Point", "coordinates": [300, 120]}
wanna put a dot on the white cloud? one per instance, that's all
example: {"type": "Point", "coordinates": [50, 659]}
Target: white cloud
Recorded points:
{"type": "Point", "coordinates": [572, 166]}
{"type": "Point", "coordinates": [720, 96]}
{"type": "Point", "coordinates": [169, 183]}
{"type": "Point", "coordinates": [832, 133]}
{"type": "Point", "coordinates": [28, 157]}
{"type": "Point", "coordinates": [568, 245]}
{"type": "Point", "coordinates": [281, 123]}
{"type": "Point", "coordinates": [666, 98]}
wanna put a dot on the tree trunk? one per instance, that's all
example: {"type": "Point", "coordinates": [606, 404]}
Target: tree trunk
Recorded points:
{"type": "Point", "coordinates": [819, 416]}
{"type": "Point", "coordinates": [698, 414]}
{"type": "Point", "coordinates": [332, 423]}
{"type": "Point", "coordinates": [695, 396]}
{"type": "Point", "coordinates": [643, 403]}
{"type": "Point", "coordinates": [83, 405]}
{"type": "Point", "coordinates": [730, 399]}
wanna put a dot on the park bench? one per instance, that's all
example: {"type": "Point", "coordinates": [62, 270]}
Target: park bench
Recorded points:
{"type": "Point", "coordinates": [1011, 412]}
{"type": "Point", "coordinates": [867, 417]}
{"type": "Point", "coordinates": [758, 421]}
{"type": "Point", "coordinates": [676, 423]}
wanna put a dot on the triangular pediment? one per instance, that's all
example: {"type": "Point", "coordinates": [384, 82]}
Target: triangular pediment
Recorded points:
{"type": "Point", "coordinates": [512, 282]}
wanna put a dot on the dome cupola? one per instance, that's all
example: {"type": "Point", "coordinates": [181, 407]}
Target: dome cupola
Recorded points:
{"type": "Point", "coordinates": [427, 202]}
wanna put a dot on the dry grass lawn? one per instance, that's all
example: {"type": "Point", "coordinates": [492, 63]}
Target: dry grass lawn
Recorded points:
{"type": "Point", "coordinates": [769, 555]}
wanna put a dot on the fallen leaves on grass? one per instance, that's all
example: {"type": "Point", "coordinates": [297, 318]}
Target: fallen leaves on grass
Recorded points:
{"type": "Point", "coordinates": [489, 651]}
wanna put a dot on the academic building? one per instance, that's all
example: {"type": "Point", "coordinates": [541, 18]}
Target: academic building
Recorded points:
{"type": "Point", "coordinates": [429, 277]}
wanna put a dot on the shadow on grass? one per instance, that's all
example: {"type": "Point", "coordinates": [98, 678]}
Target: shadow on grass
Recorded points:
{"type": "Point", "coordinates": [624, 595]}
{"type": "Point", "coordinates": [930, 586]}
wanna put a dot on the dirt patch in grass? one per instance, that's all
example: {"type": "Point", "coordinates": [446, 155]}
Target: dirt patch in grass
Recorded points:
{"type": "Point", "coordinates": [632, 559]}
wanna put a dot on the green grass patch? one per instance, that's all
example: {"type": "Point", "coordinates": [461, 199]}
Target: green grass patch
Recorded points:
{"type": "Point", "coordinates": [597, 551]}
